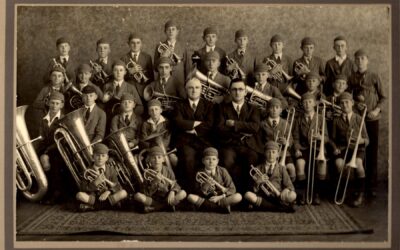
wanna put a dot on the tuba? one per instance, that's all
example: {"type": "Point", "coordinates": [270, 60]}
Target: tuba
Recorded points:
{"type": "Point", "coordinates": [276, 71]}
{"type": "Point", "coordinates": [204, 179]}
{"type": "Point", "coordinates": [166, 51]}
{"type": "Point", "coordinates": [257, 98]}
{"type": "Point", "coordinates": [167, 101]}
{"type": "Point", "coordinates": [99, 74]}
{"type": "Point", "coordinates": [210, 89]}
{"type": "Point", "coordinates": [136, 71]}
{"type": "Point", "coordinates": [266, 186]}
{"type": "Point", "coordinates": [129, 169]}
{"type": "Point", "coordinates": [31, 179]}
{"type": "Point", "coordinates": [233, 69]}
{"type": "Point", "coordinates": [339, 199]}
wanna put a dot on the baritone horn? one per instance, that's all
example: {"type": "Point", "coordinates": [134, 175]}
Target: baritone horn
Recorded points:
{"type": "Point", "coordinates": [313, 157]}
{"type": "Point", "coordinates": [30, 176]}
{"type": "Point", "coordinates": [167, 101]}
{"type": "Point", "coordinates": [339, 198]}
{"type": "Point", "coordinates": [76, 100]}
{"type": "Point", "coordinates": [204, 179]}
{"type": "Point", "coordinates": [167, 51]}
{"type": "Point", "coordinates": [266, 185]}
{"type": "Point", "coordinates": [257, 98]}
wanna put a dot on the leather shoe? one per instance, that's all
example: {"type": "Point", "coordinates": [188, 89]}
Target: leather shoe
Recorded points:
{"type": "Point", "coordinates": [148, 209]}
{"type": "Point", "coordinates": [301, 200]}
{"type": "Point", "coordinates": [317, 200]}
{"type": "Point", "coordinates": [359, 201]}
{"type": "Point", "coordinates": [85, 208]}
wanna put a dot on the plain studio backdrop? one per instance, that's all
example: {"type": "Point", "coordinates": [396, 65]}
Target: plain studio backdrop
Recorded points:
{"type": "Point", "coordinates": [364, 26]}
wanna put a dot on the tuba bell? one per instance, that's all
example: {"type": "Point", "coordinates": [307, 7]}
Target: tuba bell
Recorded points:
{"type": "Point", "coordinates": [167, 101]}
{"type": "Point", "coordinates": [31, 179]}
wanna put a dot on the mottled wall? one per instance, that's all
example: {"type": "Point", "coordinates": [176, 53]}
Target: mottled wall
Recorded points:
{"type": "Point", "coordinates": [38, 27]}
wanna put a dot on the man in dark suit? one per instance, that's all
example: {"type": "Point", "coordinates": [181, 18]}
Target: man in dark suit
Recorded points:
{"type": "Point", "coordinates": [103, 74]}
{"type": "Point", "coordinates": [237, 122]}
{"type": "Point", "coordinates": [193, 118]}
{"type": "Point", "coordinates": [139, 64]}
{"type": "Point", "coordinates": [210, 38]}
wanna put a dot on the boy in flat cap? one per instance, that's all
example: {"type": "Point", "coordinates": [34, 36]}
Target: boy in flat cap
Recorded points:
{"type": "Point", "coordinates": [272, 188]}
{"type": "Point", "coordinates": [242, 56]}
{"type": "Point", "coordinates": [138, 63]}
{"type": "Point", "coordinates": [340, 64]}
{"type": "Point", "coordinates": [339, 86]}
{"type": "Point", "coordinates": [307, 63]}
{"type": "Point", "coordinates": [215, 190]}
{"type": "Point", "coordinates": [210, 38]}
{"type": "Point", "coordinates": [345, 129]}
{"type": "Point", "coordinates": [102, 65]}
{"type": "Point", "coordinates": [175, 50]}
{"type": "Point", "coordinates": [277, 45]}
{"type": "Point", "coordinates": [302, 136]}
{"type": "Point", "coordinates": [368, 89]}
{"type": "Point", "coordinates": [272, 128]}
{"type": "Point", "coordinates": [127, 119]}
{"type": "Point", "coordinates": [100, 183]}
{"type": "Point", "coordinates": [161, 190]}
{"type": "Point", "coordinates": [94, 117]}
{"type": "Point", "coordinates": [313, 86]}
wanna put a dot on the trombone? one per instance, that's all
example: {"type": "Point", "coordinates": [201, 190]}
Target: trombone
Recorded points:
{"type": "Point", "coordinates": [288, 133]}
{"type": "Point", "coordinates": [339, 199]}
{"type": "Point", "coordinates": [313, 157]}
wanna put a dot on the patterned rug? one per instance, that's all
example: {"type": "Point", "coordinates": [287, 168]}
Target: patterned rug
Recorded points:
{"type": "Point", "coordinates": [324, 219]}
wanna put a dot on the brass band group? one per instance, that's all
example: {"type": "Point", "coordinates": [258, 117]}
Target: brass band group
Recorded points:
{"type": "Point", "coordinates": [203, 131]}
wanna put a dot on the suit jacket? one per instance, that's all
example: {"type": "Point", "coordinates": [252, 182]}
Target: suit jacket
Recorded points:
{"type": "Point", "coordinates": [279, 178]}
{"type": "Point", "coordinates": [173, 87]}
{"type": "Point", "coordinates": [180, 69]}
{"type": "Point", "coordinates": [70, 68]}
{"type": "Point", "coordinates": [222, 177]}
{"type": "Point", "coordinates": [202, 53]}
{"type": "Point", "coordinates": [71, 93]}
{"type": "Point", "coordinates": [48, 144]}
{"type": "Point", "coordinates": [107, 67]}
{"type": "Point", "coordinates": [287, 65]}
{"type": "Point", "coordinates": [247, 63]}
{"type": "Point", "coordinates": [96, 124]}
{"type": "Point", "coordinates": [184, 118]}
{"type": "Point", "coordinates": [110, 174]}
{"type": "Point", "coordinates": [148, 129]}
{"type": "Point", "coordinates": [145, 61]}
{"type": "Point", "coordinates": [41, 98]}
{"type": "Point", "coordinates": [302, 131]}
{"type": "Point", "coordinates": [316, 65]}
{"type": "Point", "coordinates": [248, 122]}
{"type": "Point", "coordinates": [132, 132]}
{"type": "Point", "coordinates": [332, 69]}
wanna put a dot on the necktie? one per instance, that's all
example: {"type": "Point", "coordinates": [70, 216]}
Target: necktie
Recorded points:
{"type": "Point", "coordinates": [87, 114]}
{"type": "Point", "coordinates": [308, 119]}
{"type": "Point", "coordinates": [274, 123]}
{"type": "Point", "coordinates": [238, 109]}
{"type": "Point", "coordinates": [64, 61]}
{"type": "Point", "coordinates": [102, 61]}
{"type": "Point", "coordinates": [278, 60]}
{"type": "Point", "coordinates": [241, 53]}
{"type": "Point", "coordinates": [135, 56]}
{"type": "Point", "coordinates": [211, 49]}
{"type": "Point", "coordinates": [162, 81]}
{"type": "Point", "coordinates": [259, 86]}
{"type": "Point", "coordinates": [127, 121]}
{"type": "Point", "coordinates": [194, 107]}
{"type": "Point", "coordinates": [117, 88]}
{"type": "Point", "coordinates": [211, 76]}
{"type": "Point", "coordinates": [270, 170]}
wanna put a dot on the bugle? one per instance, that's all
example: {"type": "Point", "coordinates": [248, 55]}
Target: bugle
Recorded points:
{"type": "Point", "coordinates": [212, 185]}
{"type": "Point", "coordinates": [313, 157]}
{"type": "Point", "coordinates": [167, 101]}
{"type": "Point", "coordinates": [233, 69]}
{"type": "Point", "coordinates": [30, 176]}
{"type": "Point", "coordinates": [136, 71]}
{"type": "Point", "coordinates": [339, 198]}
{"type": "Point", "coordinates": [166, 51]}
{"type": "Point", "coordinates": [265, 184]}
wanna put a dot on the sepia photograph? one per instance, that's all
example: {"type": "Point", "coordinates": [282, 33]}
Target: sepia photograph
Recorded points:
{"type": "Point", "coordinates": [202, 125]}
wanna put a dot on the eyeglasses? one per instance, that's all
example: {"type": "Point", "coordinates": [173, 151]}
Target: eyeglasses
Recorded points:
{"type": "Point", "coordinates": [237, 89]}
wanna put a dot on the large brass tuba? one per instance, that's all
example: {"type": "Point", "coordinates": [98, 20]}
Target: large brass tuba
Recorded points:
{"type": "Point", "coordinates": [167, 101]}
{"type": "Point", "coordinates": [73, 144]}
{"type": "Point", "coordinates": [129, 170]}
{"type": "Point", "coordinates": [210, 89]}
{"type": "Point", "coordinates": [31, 179]}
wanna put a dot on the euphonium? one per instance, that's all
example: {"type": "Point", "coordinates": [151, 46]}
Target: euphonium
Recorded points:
{"type": "Point", "coordinates": [167, 51]}
{"type": "Point", "coordinates": [257, 98]}
{"type": "Point", "coordinates": [276, 71]}
{"type": "Point", "coordinates": [234, 69]}
{"type": "Point", "coordinates": [301, 69]}
{"type": "Point", "coordinates": [167, 101]}
{"type": "Point", "coordinates": [288, 133]}
{"type": "Point", "coordinates": [129, 169]}
{"type": "Point", "coordinates": [203, 178]}
{"type": "Point", "coordinates": [351, 164]}
{"type": "Point", "coordinates": [98, 72]}
{"type": "Point", "coordinates": [136, 70]}
{"type": "Point", "coordinates": [313, 157]}
{"type": "Point", "coordinates": [210, 89]}
{"type": "Point", "coordinates": [151, 174]}
{"type": "Point", "coordinates": [266, 186]}
{"type": "Point", "coordinates": [29, 169]}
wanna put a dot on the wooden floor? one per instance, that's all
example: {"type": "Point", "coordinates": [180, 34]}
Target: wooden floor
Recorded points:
{"type": "Point", "coordinates": [374, 215]}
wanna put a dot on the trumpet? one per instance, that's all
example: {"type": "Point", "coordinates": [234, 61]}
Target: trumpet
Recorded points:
{"type": "Point", "coordinates": [276, 71]}
{"type": "Point", "coordinates": [313, 157]}
{"type": "Point", "coordinates": [287, 130]}
{"type": "Point", "coordinates": [233, 69]}
{"type": "Point", "coordinates": [99, 74]}
{"type": "Point", "coordinates": [31, 179]}
{"type": "Point", "coordinates": [167, 101]}
{"type": "Point", "coordinates": [301, 69]}
{"type": "Point", "coordinates": [257, 98]}
{"type": "Point", "coordinates": [266, 186]}
{"type": "Point", "coordinates": [136, 71]}
{"type": "Point", "coordinates": [166, 51]}
{"type": "Point", "coordinates": [151, 174]}
{"type": "Point", "coordinates": [204, 179]}
{"type": "Point", "coordinates": [339, 198]}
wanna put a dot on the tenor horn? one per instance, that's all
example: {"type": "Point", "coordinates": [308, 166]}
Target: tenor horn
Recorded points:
{"type": "Point", "coordinates": [167, 51]}
{"type": "Point", "coordinates": [204, 179]}
{"type": "Point", "coordinates": [167, 101]}
{"type": "Point", "coordinates": [136, 70]}
{"type": "Point", "coordinates": [30, 176]}
{"type": "Point", "coordinates": [276, 71]}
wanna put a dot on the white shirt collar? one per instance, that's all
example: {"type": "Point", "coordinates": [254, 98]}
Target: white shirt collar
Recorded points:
{"type": "Point", "coordinates": [135, 53]}
{"type": "Point", "coordinates": [234, 104]}
{"type": "Point", "coordinates": [278, 55]}
{"type": "Point", "coordinates": [211, 74]}
{"type": "Point", "coordinates": [311, 115]}
{"type": "Point", "coordinates": [349, 115]}
{"type": "Point", "coordinates": [105, 60]}
{"type": "Point", "coordinates": [161, 120]}
{"type": "Point", "coordinates": [62, 57]}
{"type": "Point", "coordinates": [128, 113]}
{"type": "Point", "coordinates": [47, 117]}
{"type": "Point", "coordinates": [210, 172]}
{"type": "Point", "coordinates": [91, 107]}
{"type": "Point", "coordinates": [119, 83]}
{"type": "Point", "coordinates": [273, 119]}
{"type": "Point", "coordinates": [195, 102]}
{"type": "Point", "coordinates": [339, 59]}
{"type": "Point", "coordinates": [208, 48]}
{"type": "Point", "coordinates": [171, 43]}
{"type": "Point", "coordinates": [165, 79]}
{"type": "Point", "coordinates": [267, 165]}
{"type": "Point", "coordinates": [240, 50]}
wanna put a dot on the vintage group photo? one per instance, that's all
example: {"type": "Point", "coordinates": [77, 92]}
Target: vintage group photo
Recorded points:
{"type": "Point", "coordinates": [222, 123]}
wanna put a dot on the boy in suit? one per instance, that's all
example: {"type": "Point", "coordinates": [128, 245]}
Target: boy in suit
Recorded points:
{"type": "Point", "coordinates": [101, 183]}
{"type": "Point", "coordinates": [127, 118]}
{"type": "Point", "coordinates": [340, 64]}
{"type": "Point", "coordinates": [210, 196]}
{"type": "Point", "coordinates": [339, 87]}
{"type": "Point", "coordinates": [137, 61]}
{"type": "Point", "coordinates": [210, 38]}
{"type": "Point", "coordinates": [303, 126]}
{"type": "Point", "coordinates": [284, 196]}
{"type": "Point", "coordinates": [102, 65]}
{"type": "Point", "coordinates": [161, 190]}
{"type": "Point", "coordinates": [368, 89]}
{"type": "Point", "coordinates": [242, 55]}
{"type": "Point", "coordinates": [342, 125]}
{"type": "Point", "coordinates": [313, 63]}
{"type": "Point", "coordinates": [94, 117]}
{"type": "Point", "coordinates": [313, 86]}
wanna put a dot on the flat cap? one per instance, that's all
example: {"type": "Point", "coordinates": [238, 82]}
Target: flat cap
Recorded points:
{"type": "Point", "coordinates": [127, 96]}
{"type": "Point", "coordinates": [57, 68]}
{"type": "Point", "coordinates": [84, 67]}
{"type": "Point", "coordinates": [339, 38]}
{"type": "Point", "coordinates": [240, 33]}
{"type": "Point", "coordinates": [154, 102]}
{"type": "Point", "coordinates": [307, 41]}
{"type": "Point", "coordinates": [212, 55]}
{"type": "Point", "coordinates": [134, 35]}
{"type": "Point", "coordinates": [360, 52]}
{"type": "Point", "coordinates": [156, 150]}
{"type": "Point", "coordinates": [275, 102]}
{"type": "Point", "coordinates": [170, 23]}
{"type": "Point", "coordinates": [119, 63]}
{"type": "Point", "coordinates": [209, 30]}
{"type": "Point", "coordinates": [345, 96]}
{"type": "Point", "coordinates": [88, 89]}
{"type": "Point", "coordinates": [312, 75]}
{"type": "Point", "coordinates": [61, 40]}
{"type": "Point", "coordinates": [271, 145]}
{"type": "Point", "coordinates": [163, 60]}
{"type": "Point", "coordinates": [100, 148]}
{"type": "Point", "coordinates": [341, 77]}
{"type": "Point", "coordinates": [276, 38]}
{"type": "Point", "coordinates": [262, 67]}
{"type": "Point", "coordinates": [308, 96]}
{"type": "Point", "coordinates": [210, 151]}
{"type": "Point", "coordinates": [55, 95]}
{"type": "Point", "coordinates": [101, 41]}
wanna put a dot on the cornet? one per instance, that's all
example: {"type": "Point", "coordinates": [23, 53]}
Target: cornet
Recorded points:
{"type": "Point", "coordinates": [234, 70]}
{"type": "Point", "coordinates": [276, 71]}
{"type": "Point", "coordinates": [203, 178]}
{"type": "Point", "coordinates": [151, 174]}
{"type": "Point", "coordinates": [136, 70]}
{"type": "Point", "coordinates": [301, 69]}
{"type": "Point", "coordinates": [266, 186]}
{"type": "Point", "coordinates": [98, 73]}
{"type": "Point", "coordinates": [166, 51]}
